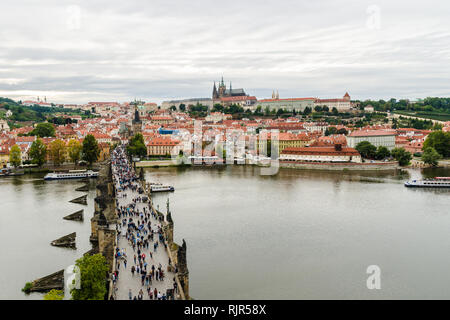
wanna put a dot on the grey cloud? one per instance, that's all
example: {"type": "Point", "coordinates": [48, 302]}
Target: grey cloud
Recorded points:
{"type": "Point", "coordinates": [163, 49]}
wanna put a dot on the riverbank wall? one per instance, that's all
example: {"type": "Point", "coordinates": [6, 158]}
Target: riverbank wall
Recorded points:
{"type": "Point", "coordinates": [365, 166]}
{"type": "Point", "coordinates": [156, 163]}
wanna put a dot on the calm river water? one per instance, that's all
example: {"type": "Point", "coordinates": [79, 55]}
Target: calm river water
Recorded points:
{"type": "Point", "coordinates": [31, 216]}
{"type": "Point", "coordinates": [297, 235]}
{"type": "Point", "coordinates": [307, 234]}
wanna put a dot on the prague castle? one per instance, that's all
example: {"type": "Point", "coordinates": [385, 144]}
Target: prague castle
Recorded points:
{"type": "Point", "coordinates": [230, 96]}
{"type": "Point", "coordinates": [223, 92]}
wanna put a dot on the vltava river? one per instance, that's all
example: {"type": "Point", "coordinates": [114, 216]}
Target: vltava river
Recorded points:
{"type": "Point", "coordinates": [31, 216]}
{"type": "Point", "coordinates": [297, 235]}
{"type": "Point", "coordinates": [307, 234]}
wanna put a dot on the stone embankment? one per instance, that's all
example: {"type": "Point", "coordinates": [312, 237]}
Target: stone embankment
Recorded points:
{"type": "Point", "coordinates": [366, 166]}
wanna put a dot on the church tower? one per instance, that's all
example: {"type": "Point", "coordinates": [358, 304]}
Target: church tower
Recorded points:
{"type": "Point", "coordinates": [136, 123]}
{"type": "Point", "coordinates": [215, 94]}
{"type": "Point", "coordinates": [222, 89]}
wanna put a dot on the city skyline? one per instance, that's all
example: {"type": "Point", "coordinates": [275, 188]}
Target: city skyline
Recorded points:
{"type": "Point", "coordinates": [95, 52]}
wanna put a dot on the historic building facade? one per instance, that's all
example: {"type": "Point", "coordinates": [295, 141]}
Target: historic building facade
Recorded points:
{"type": "Point", "coordinates": [297, 104]}
{"type": "Point", "coordinates": [335, 153]}
{"type": "Point", "coordinates": [385, 138]}
{"type": "Point", "coordinates": [343, 104]}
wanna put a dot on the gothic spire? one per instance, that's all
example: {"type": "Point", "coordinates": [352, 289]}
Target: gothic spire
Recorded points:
{"type": "Point", "coordinates": [215, 95]}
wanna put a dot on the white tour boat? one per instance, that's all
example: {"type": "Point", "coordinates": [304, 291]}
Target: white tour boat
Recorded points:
{"type": "Point", "coordinates": [72, 174]}
{"type": "Point", "coordinates": [438, 182]}
{"type": "Point", "coordinates": [161, 188]}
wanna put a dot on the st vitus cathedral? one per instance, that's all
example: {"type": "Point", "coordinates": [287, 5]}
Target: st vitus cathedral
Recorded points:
{"type": "Point", "coordinates": [222, 92]}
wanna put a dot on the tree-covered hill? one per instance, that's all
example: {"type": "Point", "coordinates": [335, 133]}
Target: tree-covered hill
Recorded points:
{"type": "Point", "coordinates": [34, 113]}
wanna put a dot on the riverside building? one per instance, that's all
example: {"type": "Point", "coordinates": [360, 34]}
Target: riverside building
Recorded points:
{"type": "Point", "coordinates": [385, 138]}
{"type": "Point", "coordinates": [335, 153]}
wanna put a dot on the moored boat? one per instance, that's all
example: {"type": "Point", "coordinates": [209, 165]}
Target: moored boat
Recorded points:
{"type": "Point", "coordinates": [438, 182]}
{"type": "Point", "coordinates": [74, 174]}
{"type": "Point", "coordinates": [8, 172]}
{"type": "Point", "coordinates": [161, 188]}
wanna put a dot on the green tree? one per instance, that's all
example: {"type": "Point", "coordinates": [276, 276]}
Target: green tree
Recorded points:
{"type": "Point", "coordinates": [43, 130]}
{"type": "Point", "coordinates": [218, 108]}
{"type": "Point", "coordinates": [54, 295]}
{"type": "Point", "coordinates": [58, 152]}
{"type": "Point", "coordinates": [431, 156]}
{"type": "Point", "coordinates": [38, 152]}
{"type": "Point", "coordinates": [382, 153]}
{"type": "Point", "coordinates": [366, 149]}
{"type": "Point", "coordinates": [342, 131]}
{"type": "Point", "coordinates": [402, 156]}
{"type": "Point", "coordinates": [74, 150]}
{"type": "Point", "coordinates": [330, 130]}
{"type": "Point", "coordinates": [136, 146]}
{"type": "Point", "coordinates": [15, 156]}
{"type": "Point", "coordinates": [394, 123]}
{"type": "Point", "coordinates": [258, 111]}
{"type": "Point", "coordinates": [90, 150]}
{"type": "Point", "coordinates": [94, 273]}
{"type": "Point", "coordinates": [440, 141]}
{"type": "Point", "coordinates": [307, 111]}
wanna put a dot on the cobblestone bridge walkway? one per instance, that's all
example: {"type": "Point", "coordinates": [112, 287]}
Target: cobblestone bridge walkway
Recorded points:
{"type": "Point", "coordinates": [139, 234]}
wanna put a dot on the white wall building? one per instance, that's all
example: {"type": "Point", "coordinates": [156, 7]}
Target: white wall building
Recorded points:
{"type": "Point", "coordinates": [378, 138]}
{"type": "Point", "coordinates": [4, 127]}
{"type": "Point", "coordinates": [321, 154]}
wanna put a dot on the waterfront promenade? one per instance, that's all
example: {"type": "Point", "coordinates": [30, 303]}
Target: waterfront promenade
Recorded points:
{"type": "Point", "coordinates": [140, 240]}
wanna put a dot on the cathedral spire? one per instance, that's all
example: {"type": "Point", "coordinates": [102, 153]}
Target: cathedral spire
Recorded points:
{"type": "Point", "coordinates": [215, 94]}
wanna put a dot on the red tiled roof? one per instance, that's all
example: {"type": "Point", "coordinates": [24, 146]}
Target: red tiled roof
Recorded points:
{"type": "Point", "coordinates": [372, 133]}
{"type": "Point", "coordinates": [238, 98]}
{"type": "Point", "coordinates": [322, 151]}
{"type": "Point", "coordinates": [291, 99]}
{"type": "Point", "coordinates": [25, 139]}
{"type": "Point", "coordinates": [161, 141]}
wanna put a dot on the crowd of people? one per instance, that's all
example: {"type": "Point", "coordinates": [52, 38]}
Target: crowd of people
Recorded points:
{"type": "Point", "coordinates": [140, 230]}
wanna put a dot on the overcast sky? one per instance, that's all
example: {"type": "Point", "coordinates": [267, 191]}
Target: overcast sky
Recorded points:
{"type": "Point", "coordinates": [107, 50]}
